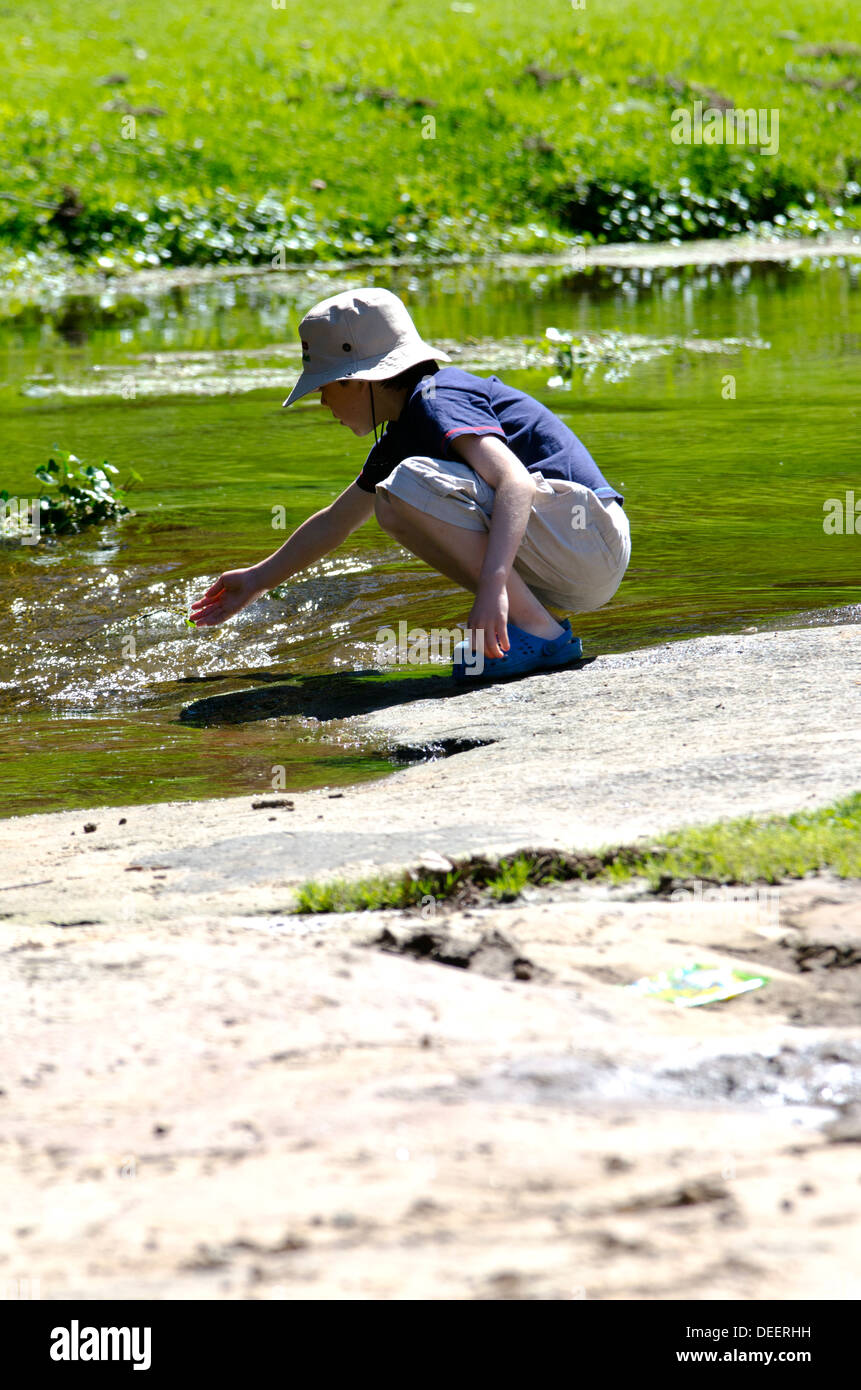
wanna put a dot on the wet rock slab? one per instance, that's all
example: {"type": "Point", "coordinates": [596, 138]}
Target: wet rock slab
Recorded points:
{"type": "Point", "coordinates": [605, 752]}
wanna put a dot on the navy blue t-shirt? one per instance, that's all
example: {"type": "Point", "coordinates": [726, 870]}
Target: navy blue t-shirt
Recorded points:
{"type": "Point", "coordinates": [453, 402]}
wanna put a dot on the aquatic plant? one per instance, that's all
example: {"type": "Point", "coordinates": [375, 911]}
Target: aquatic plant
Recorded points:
{"type": "Point", "coordinates": [83, 494]}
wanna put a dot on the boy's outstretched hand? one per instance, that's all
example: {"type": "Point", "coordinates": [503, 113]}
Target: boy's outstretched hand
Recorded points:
{"type": "Point", "coordinates": [230, 593]}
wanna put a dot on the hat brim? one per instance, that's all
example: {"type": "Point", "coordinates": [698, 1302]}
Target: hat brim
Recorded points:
{"type": "Point", "coordinates": [369, 368]}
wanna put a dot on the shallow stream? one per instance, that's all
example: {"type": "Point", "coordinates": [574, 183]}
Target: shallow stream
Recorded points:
{"type": "Point", "coordinates": [723, 402]}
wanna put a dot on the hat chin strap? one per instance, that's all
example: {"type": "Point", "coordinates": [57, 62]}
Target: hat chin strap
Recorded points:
{"type": "Point", "coordinates": [373, 413]}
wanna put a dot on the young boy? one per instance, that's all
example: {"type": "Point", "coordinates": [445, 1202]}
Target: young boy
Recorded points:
{"type": "Point", "coordinates": [476, 478]}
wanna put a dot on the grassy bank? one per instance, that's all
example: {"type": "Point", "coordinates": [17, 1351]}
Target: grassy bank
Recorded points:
{"type": "Point", "coordinates": [148, 135]}
{"type": "Point", "coordinates": [733, 851]}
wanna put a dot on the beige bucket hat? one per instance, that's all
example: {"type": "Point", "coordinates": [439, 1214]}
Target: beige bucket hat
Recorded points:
{"type": "Point", "coordinates": [367, 334]}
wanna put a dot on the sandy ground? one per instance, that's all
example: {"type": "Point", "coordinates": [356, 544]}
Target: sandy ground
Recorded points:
{"type": "Point", "coordinates": [203, 1097]}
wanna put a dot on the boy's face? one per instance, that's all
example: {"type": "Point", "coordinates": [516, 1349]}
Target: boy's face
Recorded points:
{"type": "Point", "coordinates": [349, 402]}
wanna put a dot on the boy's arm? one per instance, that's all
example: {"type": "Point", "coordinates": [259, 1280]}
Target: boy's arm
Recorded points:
{"type": "Point", "coordinates": [322, 532]}
{"type": "Point", "coordinates": [492, 459]}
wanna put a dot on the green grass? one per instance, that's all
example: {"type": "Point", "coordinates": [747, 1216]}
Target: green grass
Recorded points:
{"type": "Point", "coordinates": [746, 850]}
{"type": "Point", "coordinates": [306, 129]}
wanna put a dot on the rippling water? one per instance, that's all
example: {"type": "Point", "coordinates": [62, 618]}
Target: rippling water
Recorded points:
{"type": "Point", "coordinates": [725, 495]}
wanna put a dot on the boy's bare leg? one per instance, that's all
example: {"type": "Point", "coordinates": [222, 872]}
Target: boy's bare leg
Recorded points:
{"type": "Point", "coordinates": [459, 555]}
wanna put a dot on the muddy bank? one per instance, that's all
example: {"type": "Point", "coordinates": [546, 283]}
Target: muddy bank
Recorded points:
{"type": "Point", "coordinates": [204, 1097]}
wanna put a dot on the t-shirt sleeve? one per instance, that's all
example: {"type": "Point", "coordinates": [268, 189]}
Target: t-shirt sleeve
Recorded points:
{"type": "Point", "coordinates": [435, 417]}
{"type": "Point", "coordinates": [377, 465]}
{"type": "Point", "coordinates": [451, 411]}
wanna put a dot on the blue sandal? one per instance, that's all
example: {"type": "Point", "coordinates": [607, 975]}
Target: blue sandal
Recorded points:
{"type": "Point", "coordinates": [526, 653]}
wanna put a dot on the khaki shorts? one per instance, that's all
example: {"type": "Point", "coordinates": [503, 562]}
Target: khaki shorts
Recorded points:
{"type": "Point", "coordinates": [575, 548]}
